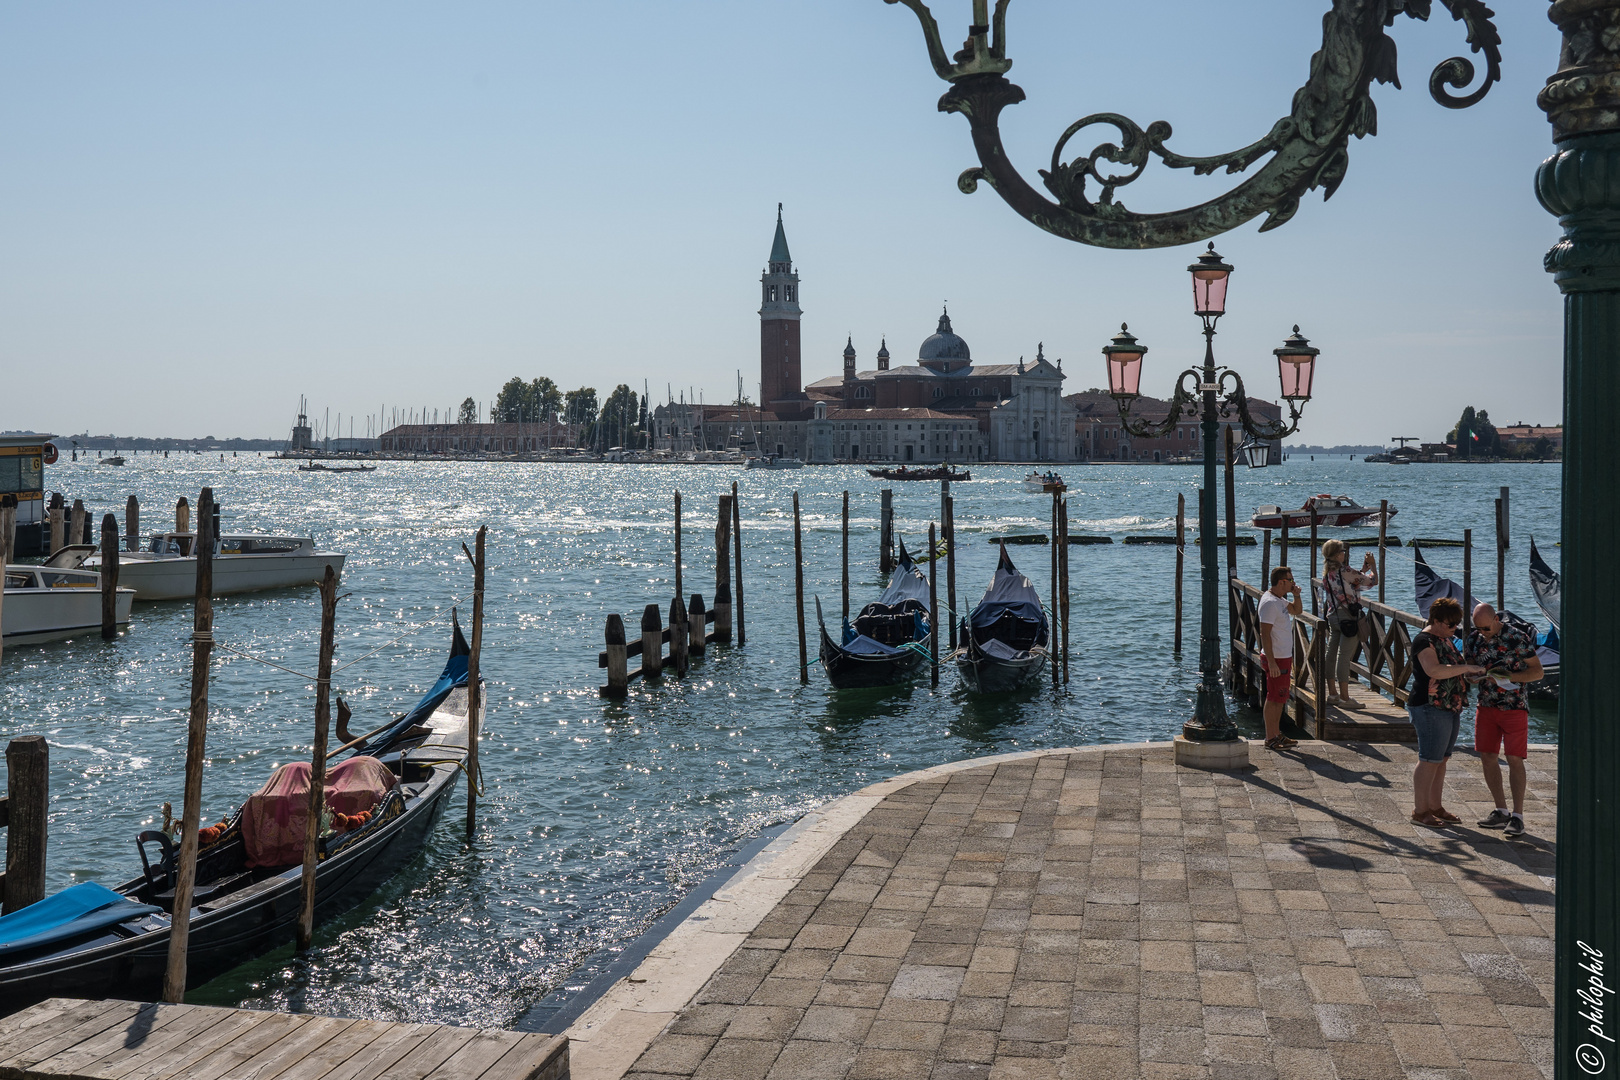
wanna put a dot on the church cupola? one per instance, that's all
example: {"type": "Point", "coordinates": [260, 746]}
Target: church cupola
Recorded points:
{"type": "Point", "coordinates": [943, 351]}
{"type": "Point", "coordinates": [883, 355]}
{"type": "Point", "coordinates": [849, 360]}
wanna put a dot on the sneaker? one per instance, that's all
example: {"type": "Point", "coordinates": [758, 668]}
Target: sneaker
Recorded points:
{"type": "Point", "coordinates": [1515, 827]}
{"type": "Point", "coordinates": [1496, 820]}
{"type": "Point", "coordinates": [1333, 699]}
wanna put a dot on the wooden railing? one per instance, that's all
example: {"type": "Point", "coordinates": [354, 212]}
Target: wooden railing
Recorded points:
{"type": "Point", "coordinates": [1383, 659]}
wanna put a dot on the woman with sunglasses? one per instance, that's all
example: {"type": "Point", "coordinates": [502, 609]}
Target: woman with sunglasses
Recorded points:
{"type": "Point", "coordinates": [1439, 692]}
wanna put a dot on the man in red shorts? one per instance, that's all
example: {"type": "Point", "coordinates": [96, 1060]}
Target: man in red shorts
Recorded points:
{"type": "Point", "coordinates": [1502, 722]}
{"type": "Point", "coordinates": [1277, 646]}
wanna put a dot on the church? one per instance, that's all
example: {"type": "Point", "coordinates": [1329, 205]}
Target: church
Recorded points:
{"type": "Point", "coordinates": [941, 407]}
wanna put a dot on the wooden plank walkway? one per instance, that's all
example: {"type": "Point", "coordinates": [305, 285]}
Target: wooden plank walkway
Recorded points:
{"type": "Point", "coordinates": [64, 1039]}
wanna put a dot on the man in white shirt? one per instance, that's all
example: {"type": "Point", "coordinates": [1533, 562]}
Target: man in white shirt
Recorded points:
{"type": "Point", "coordinates": [1277, 647]}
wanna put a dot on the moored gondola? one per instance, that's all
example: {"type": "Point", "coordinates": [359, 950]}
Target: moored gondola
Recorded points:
{"type": "Point", "coordinates": [887, 644]}
{"type": "Point", "coordinates": [89, 941]}
{"type": "Point", "coordinates": [1004, 640]}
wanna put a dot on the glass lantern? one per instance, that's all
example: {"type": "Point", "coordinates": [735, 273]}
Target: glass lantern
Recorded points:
{"type": "Point", "coordinates": [1296, 366]}
{"type": "Point", "coordinates": [1209, 276]}
{"type": "Point", "coordinates": [1124, 356]}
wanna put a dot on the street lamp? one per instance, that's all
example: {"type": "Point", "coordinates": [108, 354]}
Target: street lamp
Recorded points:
{"type": "Point", "coordinates": [1210, 394]}
{"type": "Point", "coordinates": [1257, 453]}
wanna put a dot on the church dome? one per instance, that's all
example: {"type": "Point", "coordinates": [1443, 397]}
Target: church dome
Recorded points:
{"type": "Point", "coordinates": [943, 345]}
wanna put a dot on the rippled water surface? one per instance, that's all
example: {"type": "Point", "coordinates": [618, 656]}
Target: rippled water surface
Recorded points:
{"type": "Point", "coordinates": [598, 815]}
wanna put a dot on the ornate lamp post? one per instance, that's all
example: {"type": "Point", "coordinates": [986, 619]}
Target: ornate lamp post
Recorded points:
{"type": "Point", "coordinates": [1209, 393]}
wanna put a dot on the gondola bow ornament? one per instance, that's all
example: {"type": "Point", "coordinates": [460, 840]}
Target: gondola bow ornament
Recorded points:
{"type": "Point", "coordinates": [1305, 150]}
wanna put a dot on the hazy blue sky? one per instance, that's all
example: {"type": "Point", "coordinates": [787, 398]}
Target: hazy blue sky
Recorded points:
{"type": "Point", "coordinates": [210, 209]}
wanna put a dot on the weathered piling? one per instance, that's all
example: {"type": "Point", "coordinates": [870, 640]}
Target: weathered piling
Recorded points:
{"type": "Point", "coordinates": [652, 643]}
{"type": "Point", "coordinates": [680, 638]}
{"type": "Point", "coordinates": [8, 528]}
{"type": "Point", "coordinates": [1265, 563]}
{"type": "Point", "coordinates": [182, 515]}
{"type": "Point", "coordinates": [1468, 581]}
{"type": "Point", "coordinates": [27, 810]}
{"type": "Point", "coordinates": [736, 541]}
{"type": "Point", "coordinates": [933, 612]}
{"type": "Point", "coordinates": [722, 573]}
{"type": "Point", "coordinates": [109, 578]}
{"type": "Point", "coordinates": [1383, 536]}
{"type": "Point", "coordinates": [77, 532]}
{"type": "Point", "coordinates": [1231, 507]}
{"type": "Point", "coordinates": [1501, 558]}
{"type": "Point", "coordinates": [679, 591]}
{"type": "Point", "coordinates": [1310, 583]}
{"type": "Point", "coordinates": [317, 762]}
{"type": "Point", "coordinates": [1181, 555]}
{"type": "Point", "coordinates": [202, 643]}
{"type": "Point", "coordinates": [132, 524]}
{"type": "Point", "coordinates": [950, 563]}
{"type": "Point", "coordinates": [1054, 629]}
{"type": "Point", "coordinates": [474, 696]}
{"type": "Point", "coordinates": [697, 627]}
{"type": "Point", "coordinates": [58, 526]}
{"type": "Point", "coordinates": [618, 684]}
{"type": "Point", "coordinates": [1282, 555]}
{"type": "Point", "coordinates": [798, 592]}
{"type": "Point", "coordinates": [846, 557]}
{"type": "Point", "coordinates": [886, 530]}
{"type": "Point", "coordinates": [1063, 566]}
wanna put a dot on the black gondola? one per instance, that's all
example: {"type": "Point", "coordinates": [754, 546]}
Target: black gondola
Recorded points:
{"type": "Point", "coordinates": [887, 645]}
{"type": "Point", "coordinates": [941, 472]}
{"type": "Point", "coordinates": [1004, 639]}
{"type": "Point", "coordinates": [89, 941]}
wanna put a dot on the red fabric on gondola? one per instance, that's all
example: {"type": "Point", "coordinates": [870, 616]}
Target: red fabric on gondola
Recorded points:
{"type": "Point", "coordinates": [274, 817]}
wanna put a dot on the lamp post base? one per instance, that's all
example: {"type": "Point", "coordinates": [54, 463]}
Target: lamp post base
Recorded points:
{"type": "Point", "coordinates": [1201, 754]}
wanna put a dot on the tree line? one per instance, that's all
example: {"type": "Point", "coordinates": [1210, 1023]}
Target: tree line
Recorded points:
{"type": "Point", "coordinates": [621, 420]}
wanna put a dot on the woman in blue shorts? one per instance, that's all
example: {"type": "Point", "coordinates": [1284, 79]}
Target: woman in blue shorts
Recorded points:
{"type": "Point", "coordinates": [1439, 692]}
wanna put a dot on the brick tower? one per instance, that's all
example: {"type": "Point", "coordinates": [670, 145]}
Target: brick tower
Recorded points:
{"type": "Point", "coordinates": [781, 383]}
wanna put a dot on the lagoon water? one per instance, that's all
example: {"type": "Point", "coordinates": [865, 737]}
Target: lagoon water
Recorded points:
{"type": "Point", "coordinates": [596, 815]}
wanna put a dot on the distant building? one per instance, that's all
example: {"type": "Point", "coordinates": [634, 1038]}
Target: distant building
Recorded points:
{"type": "Point", "coordinates": [523, 438]}
{"type": "Point", "coordinates": [1101, 437]}
{"type": "Point", "coordinates": [1521, 434]}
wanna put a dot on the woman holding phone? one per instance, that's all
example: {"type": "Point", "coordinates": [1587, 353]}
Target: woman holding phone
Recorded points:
{"type": "Point", "coordinates": [1343, 615]}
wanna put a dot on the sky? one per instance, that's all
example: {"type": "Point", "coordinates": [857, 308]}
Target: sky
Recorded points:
{"type": "Point", "coordinates": [208, 210]}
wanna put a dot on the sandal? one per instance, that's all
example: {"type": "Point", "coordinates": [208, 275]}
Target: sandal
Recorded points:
{"type": "Point", "coordinates": [1447, 816]}
{"type": "Point", "coordinates": [1430, 821]}
{"type": "Point", "coordinates": [1281, 742]}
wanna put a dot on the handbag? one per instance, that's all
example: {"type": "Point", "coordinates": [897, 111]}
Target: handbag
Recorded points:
{"type": "Point", "coordinates": [1347, 611]}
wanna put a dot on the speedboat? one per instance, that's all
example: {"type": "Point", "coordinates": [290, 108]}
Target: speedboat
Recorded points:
{"type": "Point", "coordinates": [243, 562]}
{"type": "Point", "coordinates": [773, 462]}
{"type": "Point", "coordinates": [888, 642]}
{"type": "Point", "coordinates": [1004, 641]}
{"type": "Point", "coordinates": [45, 603]}
{"type": "Point", "coordinates": [1036, 483]}
{"type": "Point", "coordinates": [1331, 511]}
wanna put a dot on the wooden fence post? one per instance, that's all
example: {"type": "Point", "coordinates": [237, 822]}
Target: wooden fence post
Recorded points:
{"type": "Point", "coordinates": [697, 627]}
{"type": "Point", "coordinates": [317, 763]}
{"type": "Point", "coordinates": [58, 526]}
{"type": "Point", "coordinates": [736, 540]}
{"type": "Point", "coordinates": [679, 637]}
{"type": "Point", "coordinates": [798, 592]}
{"type": "Point", "coordinates": [475, 699]}
{"type": "Point", "coordinates": [28, 771]}
{"type": "Point", "coordinates": [618, 684]}
{"type": "Point", "coordinates": [933, 610]}
{"type": "Point", "coordinates": [202, 639]}
{"type": "Point", "coordinates": [109, 578]}
{"type": "Point", "coordinates": [886, 531]}
{"type": "Point", "coordinates": [1181, 555]}
{"type": "Point", "coordinates": [652, 643]}
{"type": "Point", "coordinates": [1383, 533]}
{"type": "Point", "coordinates": [78, 526]}
{"type": "Point", "coordinates": [132, 524]}
{"type": "Point", "coordinates": [722, 573]}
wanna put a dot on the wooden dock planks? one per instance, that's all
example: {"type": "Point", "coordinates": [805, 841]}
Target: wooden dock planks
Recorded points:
{"type": "Point", "coordinates": [62, 1039]}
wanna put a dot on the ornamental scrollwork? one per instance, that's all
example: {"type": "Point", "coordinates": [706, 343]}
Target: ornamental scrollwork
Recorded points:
{"type": "Point", "coordinates": [1305, 150]}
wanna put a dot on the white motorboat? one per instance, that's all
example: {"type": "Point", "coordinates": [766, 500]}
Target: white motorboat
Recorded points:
{"type": "Point", "coordinates": [243, 562]}
{"type": "Point", "coordinates": [1035, 482]}
{"type": "Point", "coordinates": [773, 462]}
{"type": "Point", "coordinates": [44, 603]}
{"type": "Point", "coordinates": [1332, 511]}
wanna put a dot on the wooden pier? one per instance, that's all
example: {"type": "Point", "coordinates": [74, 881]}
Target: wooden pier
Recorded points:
{"type": "Point", "coordinates": [63, 1039]}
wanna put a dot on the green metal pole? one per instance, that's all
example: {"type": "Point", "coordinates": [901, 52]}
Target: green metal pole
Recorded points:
{"type": "Point", "coordinates": [1210, 722]}
{"type": "Point", "coordinates": [1578, 183]}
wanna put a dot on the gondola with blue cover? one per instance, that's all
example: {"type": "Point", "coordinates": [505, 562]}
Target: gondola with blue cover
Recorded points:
{"type": "Point", "coordinates": [1004, 640]}
{"type": "Point", "coordinates": [887, 644]}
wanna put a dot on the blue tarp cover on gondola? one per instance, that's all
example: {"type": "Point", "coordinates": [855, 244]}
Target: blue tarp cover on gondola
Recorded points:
{"type": "Point", "coordinates": [69, 914]}
{"type": "Point", "coordinates": [1010, 594]}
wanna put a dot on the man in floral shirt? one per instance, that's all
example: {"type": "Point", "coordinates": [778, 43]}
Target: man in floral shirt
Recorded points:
{"type": "Point", "coordinates": [1502, 721]}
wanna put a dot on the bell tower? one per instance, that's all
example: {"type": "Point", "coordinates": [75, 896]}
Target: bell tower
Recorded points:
{"type": "Point", "coordinates": [780, 379]}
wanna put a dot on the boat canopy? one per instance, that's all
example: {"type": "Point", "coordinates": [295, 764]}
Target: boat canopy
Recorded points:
{"type": "Point", "coordinates": [69, 914]}
{"type": "Point", "coordinates": [1010, 615]}
{"type": "Point", "coordinates": [908, 583]}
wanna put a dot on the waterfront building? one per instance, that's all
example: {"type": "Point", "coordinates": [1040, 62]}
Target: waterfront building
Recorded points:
{"type": "Point", "coordinates": [1099, 436]}
{"type": "Point", "coordinates": [525, 438]}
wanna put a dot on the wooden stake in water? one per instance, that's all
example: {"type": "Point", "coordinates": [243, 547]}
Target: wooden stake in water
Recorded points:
{"type": "Point", "coordinates": [846, 559]}
{"type": "Point", "coordinates": [58, 526]}
{"type": "Point", "coordinates": [722, 573]}
{"type": "Point", "coordinates": [28, 771]}
{"type": "Point", "coordinates": [652, 643]}
{"type": "Point", "coordinates": [1063, 565]}
{"type": "Point", "coordinates": [1282, 554]}
{"type": "Point", "coordinates": [798, 591]}
{"type": "Point", "coordinates": [202, 643]}
{"type": "Point", "coordinates": [886, 531]}
{"type": "Point", "coordinates": [317, 761]}
{"type": "Point", "coordinates": [132, 524]}
{"type": "Point", "coordinates": [679, 638]}
{"type": "Point", "coordinates": [933, 611]}
{"type": "Point", "coordinates": [8, 543]}
{"type": "Point", "coordinates": [1311, 584]}
{"type": "Point", "coordinates": [78, 526]}
{"type": "Point", "coordinates": [1383, 533]}
{"type": "Point", "coordinates": [1055, 618]}
{"type": "Point", "coordinates": [618, 684]}
{"type": "Point", "coordinates": [736, 539]}
{"type": "Point", "coordinates": [697, 626]}
{"type": "Point", "coordinates": [1501, 558]}
{"type": "Point", "coordinates": [475, 701]}
{"type": "Point", "coordinates": [950, 566]}
{"type": "Point", "coordinates": [182, 515]}
{"type": "Point", "coordinates": [109, 578]}
{"type": "Point", "coordinates": [1181, 554]}
{"type": "Point", "coordinates": [679, 589]}
{"type": "Point", "coordinates": [1468, 580]}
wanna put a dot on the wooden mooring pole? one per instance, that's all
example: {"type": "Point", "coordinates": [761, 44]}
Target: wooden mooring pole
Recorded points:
{"type": "Point", "coordinates": [933, 610]}
{"type": "Point", "coordinates": [1501, 559]}
{"type": "Point", "coordinates": [722, 573]}
{"type": "Point", "coordinates": [679, 590]}
{"type": "Point", "coordinates": [1265, 561]}
{"type": "Point", "coordinates": [1063, 567]}
{"type": "Point", "coordinates": [618, 684]}
{"type": "Point", "coordinates": [78, 525]}
{"type": "Point", "coordinates": [1181, 555]}
{"type": "Point", "coordinates": [202, 643]}
{"type": "Point", "coordinates": [950, 566]}
{"type": "Point", "coordinates": [697, 626]}
{"type": "Point", "coordinates": [28, 771]}
{"type": "Point", "coordinates": [317, 761]}
{"type": "Point", "coordinates": [1310, 584]}
{"type": "Point", "coordinates": [736, 540]}
{"type": "Point", "coordinates": [798, 591]}
{"type": "Point", "coordinates": [475, 700]}
{"type": "Point", "coordinates": [1282, 553]}
{"type": "Point", "coordinates": [1383, 534]}
{"type": "Point", "coordinates": [8, 544]}
{"type": "Point", "coordinates": [652, 643]}
{"type": "Point", "coordinates": [1468, 582]}
{"type": "Point", "coordinates": [132, 524]}
{"type": "Point", "coordinates": [846, 564]}
{"type": "Point", "coordinates": [109, 578]}
{"type": "Point", "coordinates": [886, 531]}
{"type": "Point", "coordinates": [182, 515]}
{"type": "Point", "coordinates": [680, 638]}
{"type": "Point", "coordinates": [1055, 618]}
{"type": "Point", "coordinates": [58, 527]}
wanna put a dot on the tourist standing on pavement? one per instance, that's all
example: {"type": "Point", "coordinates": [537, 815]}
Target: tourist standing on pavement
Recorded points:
{"type": "Point", "coordinates": [1502, 723]}
{"type": "Point", "coordinates": [1439, 692]}
{"type": "Point", "coordinates": [1343, 615]}
{"type": "Point", "coordinates": [1277, 648]}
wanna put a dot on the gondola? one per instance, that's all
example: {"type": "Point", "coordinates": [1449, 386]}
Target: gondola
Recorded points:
{"type": "Point", "coordinates": [888, 643]}
{"type": "Point", "coordinates": [1431, 585]}
{"type": "Point", "coordinates": [89, 941]}
{"type": "Point", "coordinates": [1548, 586]}
{"type": "Point", "coordinates": [942, 472]}
{"type": "Point", "coordinates": [1004, 639]}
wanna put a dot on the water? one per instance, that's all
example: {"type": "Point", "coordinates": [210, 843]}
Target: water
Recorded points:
{"type": "Point", "coordinates": [598, 815]}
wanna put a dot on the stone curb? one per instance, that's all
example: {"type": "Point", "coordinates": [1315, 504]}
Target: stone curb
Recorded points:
{"type": "Point", "coordinates": [608, 1037]}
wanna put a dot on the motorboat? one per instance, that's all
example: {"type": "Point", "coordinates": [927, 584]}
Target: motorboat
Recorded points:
{"type": "Point", "coordinates": [773, 462]}
{"type": "Point", "coordinates": [318, 466]}
{"type": "Point", "coordinates": [1332, 511]}
{"type": "Point", "coordinates": [1004, 640]}
{"type": "Point", "coordinates": [940, 472]}
{"type": "Point", "coordinates": [1036, 483]}
{"type": "Point", "coordinates": [91, 941]}
{"type": "Point", "coordinates": [243, 562]}
{"type": "Point", "coordinates": [46, 603]}
{"type": "Point", "coordinates": [887, 643]}
{"type": "Point", "coordinates": [114, 460]}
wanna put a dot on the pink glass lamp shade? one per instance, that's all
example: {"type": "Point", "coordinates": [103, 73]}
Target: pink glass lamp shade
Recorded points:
{"type": "Point", "coordinates": [1210, 276]}
{"type": "Point", "coordinates": [1296, 366]}
{"type": "Point", "coordinates": [1124, 356]}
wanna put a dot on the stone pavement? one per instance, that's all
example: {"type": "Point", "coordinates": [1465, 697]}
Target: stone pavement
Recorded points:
{"type": "Point", "coordinates": [1101, 913]}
